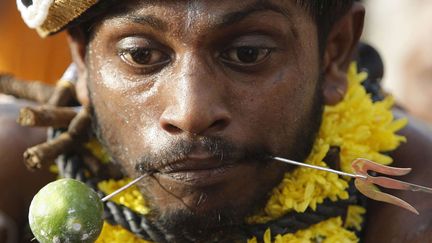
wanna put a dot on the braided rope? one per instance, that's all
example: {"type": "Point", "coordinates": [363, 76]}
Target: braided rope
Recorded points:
{"type": "Point", "coordinates": [293, 221]}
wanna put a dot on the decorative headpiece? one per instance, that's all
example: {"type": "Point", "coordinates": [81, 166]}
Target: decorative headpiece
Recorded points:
{"type": "Point", "coordinates": [51, 16]}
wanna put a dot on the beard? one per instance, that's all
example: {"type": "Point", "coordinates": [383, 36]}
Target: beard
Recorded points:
{"type": "Point", "coordinates": [226, 223]}
{"type": "Point", "coordinates": [221, 225]}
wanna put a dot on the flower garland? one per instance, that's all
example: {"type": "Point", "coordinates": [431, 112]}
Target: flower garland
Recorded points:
{"type": "Point", "coordinates": [130, 198]}
{"type": "Point", "coordinates": [358, 126]}
{"type": "Point", "coordinates": [328, 231]}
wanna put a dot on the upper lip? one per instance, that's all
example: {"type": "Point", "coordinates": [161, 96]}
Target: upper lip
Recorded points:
{"type": "Point", "coordinates": [193, 161]}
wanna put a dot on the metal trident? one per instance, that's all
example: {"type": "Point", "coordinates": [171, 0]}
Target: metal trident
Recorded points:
{"type": "Point", "coordinates": [365, 182]}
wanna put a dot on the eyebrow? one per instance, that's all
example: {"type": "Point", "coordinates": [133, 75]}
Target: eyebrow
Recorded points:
{"type": "Point", "coordinates": [150, 20]}
{"type": "Point", "coordinates": [227, 20]}
{"type": "Point", "coordinates": [258, 6]}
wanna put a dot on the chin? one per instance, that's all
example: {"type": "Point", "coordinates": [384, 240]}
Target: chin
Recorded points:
{"type": "Point", "coordinates": [214, 224]}
{"type": "Point", "coordinates": [200, 210]}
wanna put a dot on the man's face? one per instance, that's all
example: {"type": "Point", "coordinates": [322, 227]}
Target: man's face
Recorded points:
{"type": "Point", "coordinates": [198, 93]}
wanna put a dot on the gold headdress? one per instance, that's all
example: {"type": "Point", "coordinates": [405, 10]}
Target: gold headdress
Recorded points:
{"type": "Point", "coordinates": [51, 16]}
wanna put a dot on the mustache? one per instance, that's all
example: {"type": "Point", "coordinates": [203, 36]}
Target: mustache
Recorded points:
{"type": "Point", "coordinates": [217, 148]}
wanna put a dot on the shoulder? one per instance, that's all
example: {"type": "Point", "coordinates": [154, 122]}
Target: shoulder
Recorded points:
{"type": "Point", "coordinates": [387, 223]}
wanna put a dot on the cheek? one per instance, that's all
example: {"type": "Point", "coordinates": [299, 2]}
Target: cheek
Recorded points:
{"type": "Point", "coordinates": [125, 122]}
{"type": "Point", "coordinates": [278, 111]}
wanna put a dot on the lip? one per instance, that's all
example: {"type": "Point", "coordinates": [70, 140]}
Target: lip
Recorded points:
{"type": "Point", "coordinates": [199, 172]}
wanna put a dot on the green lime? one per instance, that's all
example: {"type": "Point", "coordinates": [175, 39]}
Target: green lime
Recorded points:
{"type": "Point", "coordinates": [66, 210]}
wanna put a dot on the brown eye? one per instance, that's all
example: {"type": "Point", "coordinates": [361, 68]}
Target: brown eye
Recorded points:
{"type": "Point", "coordinates": [144, 57]}
{"type": "Point", "coordinates": [245, 55]}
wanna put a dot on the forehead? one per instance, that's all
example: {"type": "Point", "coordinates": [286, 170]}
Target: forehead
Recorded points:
{"type": "Point", "coordinates": [201, 14]}
{"type": "Point", "coordinates": [200, 7]}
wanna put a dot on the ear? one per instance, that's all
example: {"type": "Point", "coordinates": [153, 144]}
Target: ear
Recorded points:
{"type": "Point", "coordinates": [341, 43]}
{"type": "Point", "coordinates": [78, 46]}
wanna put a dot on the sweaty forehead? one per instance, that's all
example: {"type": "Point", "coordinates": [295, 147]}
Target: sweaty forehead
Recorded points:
{"type": "Point", "coordinates": [166, 14]}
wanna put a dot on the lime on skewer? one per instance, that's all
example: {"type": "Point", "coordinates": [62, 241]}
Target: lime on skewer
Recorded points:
{"type": "Point", "coordinates": [66, 210]}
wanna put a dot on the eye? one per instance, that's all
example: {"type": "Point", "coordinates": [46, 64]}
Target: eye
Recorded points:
{"type": "Point", "coordinates": [144, 57]}
{"type": "Point", "coordinates": [245, 55]}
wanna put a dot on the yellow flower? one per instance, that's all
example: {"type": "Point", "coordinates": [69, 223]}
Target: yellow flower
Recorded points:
{"type": "Point", "coordinates": [98, 151]}
{"type": "Point", "coordinates": [328, 231]}
{"type": "Point", "coordinates": [360, 127]}
{"type": "Point", "coordinates": [131, 197]}
{"type": "Point", "coordinates": [116, 234]}
{"type": "Point", "coordinates": [354, 217]}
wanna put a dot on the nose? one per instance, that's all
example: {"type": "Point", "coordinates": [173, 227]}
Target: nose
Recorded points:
{"type": "Point", "coordinates": [198, 102]}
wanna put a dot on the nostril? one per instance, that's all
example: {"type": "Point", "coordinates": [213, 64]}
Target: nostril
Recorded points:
{"type": "Point", "coordinates": [171, 129]}
{"type": "Point", "coordinates": [219, 125]}
{"type": "Point", "coordinates": [194, 122]}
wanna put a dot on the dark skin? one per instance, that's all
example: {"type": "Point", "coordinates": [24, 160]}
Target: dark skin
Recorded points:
{"type": "Point", "coordinates": [195, 106]}
{"type": "Point", "coordinates": [228, 101]}
{"type": "Point", "coordinates": [191, 77]}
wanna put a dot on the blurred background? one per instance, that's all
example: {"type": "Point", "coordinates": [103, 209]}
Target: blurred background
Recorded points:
{"type": "Point", "coordinates": [401, 31]}
{"type": "Point", "coordinates": [24, 54]}
{"type": "Point", "coordinates": [27, 57]}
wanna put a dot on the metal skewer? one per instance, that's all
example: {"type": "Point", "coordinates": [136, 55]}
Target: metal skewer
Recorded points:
{"type": "Point", "coordinates": [106, 198]}
{"type": "Point", "coordinates": [364, 182]}
{"type": "Point", "coordinates": [319, 168]}
{"type": "Point", "coordinates": [418, 188]}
